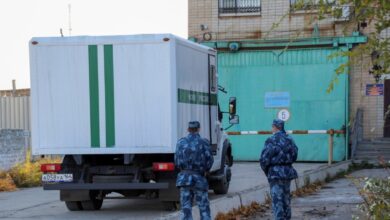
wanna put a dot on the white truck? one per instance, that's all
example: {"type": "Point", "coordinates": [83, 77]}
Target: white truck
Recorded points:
{"type": "Point", "coordinates": [115, 106]}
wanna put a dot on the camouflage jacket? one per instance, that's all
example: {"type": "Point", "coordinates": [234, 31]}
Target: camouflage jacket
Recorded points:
{"type": "Point", "coordinates": [193, 158]}
{"type": "Point", "coordinates": [278, 154]}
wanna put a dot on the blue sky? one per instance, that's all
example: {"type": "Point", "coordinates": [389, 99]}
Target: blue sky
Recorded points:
{"type": "Point", "coordinates": [22, 19]}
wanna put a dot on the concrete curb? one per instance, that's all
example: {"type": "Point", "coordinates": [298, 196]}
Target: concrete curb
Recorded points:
{"type": "Point", "coordinates": [259, 193]}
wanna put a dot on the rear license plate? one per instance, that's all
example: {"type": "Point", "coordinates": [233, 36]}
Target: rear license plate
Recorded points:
{"type": "Point", "coordinates": [57, 178]}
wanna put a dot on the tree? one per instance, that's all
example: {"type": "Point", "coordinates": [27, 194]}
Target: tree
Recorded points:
{"type": "Point", "coordinates": [373, 15]}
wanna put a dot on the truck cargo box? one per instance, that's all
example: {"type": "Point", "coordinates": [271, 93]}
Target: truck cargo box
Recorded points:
{"type": "Point", "coordinates": [120, 94]}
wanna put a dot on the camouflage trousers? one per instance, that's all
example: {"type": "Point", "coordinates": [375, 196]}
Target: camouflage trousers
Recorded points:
{"type": "Point", "coordinates": [187, 195]}
{"type": "Point", "coordinates": [281, 197]}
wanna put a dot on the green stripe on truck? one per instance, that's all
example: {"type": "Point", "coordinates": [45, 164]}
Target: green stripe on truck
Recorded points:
{"type": "Point", "coordinates": [94, 95]}
{"type": "Point", "coordinates": [109, 93]}
{"type": "Point", "coordinates": [194, 97]}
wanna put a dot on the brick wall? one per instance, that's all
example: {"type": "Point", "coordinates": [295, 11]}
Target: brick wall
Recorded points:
{"type": "Point", "coordinates": [373, 106]}
{"type": "Point", "coordinates": [18, 92]}
{"type": "Point", "coordinates": [13, 146]}
{"type": "Point", "coordinates": [257, 26]}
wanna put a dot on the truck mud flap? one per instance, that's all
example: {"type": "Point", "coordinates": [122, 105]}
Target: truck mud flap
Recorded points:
{"type": "Point", "coordinates": [105, 186]}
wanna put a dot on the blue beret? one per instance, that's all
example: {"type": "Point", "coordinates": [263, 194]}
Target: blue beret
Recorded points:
{"type": "Point", "coordinates": [193, 124]}
{"type": "Point", "coordinates": [279, 124]}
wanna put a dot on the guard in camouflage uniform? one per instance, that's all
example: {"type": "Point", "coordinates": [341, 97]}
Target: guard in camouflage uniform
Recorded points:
{"type": "Point", "coordinates": [276, 161]}
{"type": "Point", "coordinates": [194, 159]}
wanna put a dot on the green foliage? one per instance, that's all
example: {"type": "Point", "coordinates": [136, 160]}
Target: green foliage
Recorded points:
{"type": "Point", "coordinates": [370, 13]}
{"type": "Point", "coordinates": [375, 191]}
{"type": "Point", "coordinates": [28, 173]}
{"type": "Point", "coordinates": [6, 182]}
{"type": "Point", "coordinates": [377, 198]}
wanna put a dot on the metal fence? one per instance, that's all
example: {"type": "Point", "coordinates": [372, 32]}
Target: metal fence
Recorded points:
{"type": "Point", "coordinates": [357, 131]}
{"type": "Point", "coordinates": [239, 6]}
{"type": "Point", "coordinates": [15, 112]}
{"type": "Point", "coordinates": [330, 132]}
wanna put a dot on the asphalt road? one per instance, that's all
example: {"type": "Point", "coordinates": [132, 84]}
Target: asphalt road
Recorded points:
{"type": "Point", "coordinates": [34, 203]}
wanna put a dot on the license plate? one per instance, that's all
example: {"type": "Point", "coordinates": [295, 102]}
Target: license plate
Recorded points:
{"type": "Point", "coordinates": [57, 178]}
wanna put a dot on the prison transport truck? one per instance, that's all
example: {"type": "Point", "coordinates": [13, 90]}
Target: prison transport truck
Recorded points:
{"type": "Point", "coordinates": [114, 107]}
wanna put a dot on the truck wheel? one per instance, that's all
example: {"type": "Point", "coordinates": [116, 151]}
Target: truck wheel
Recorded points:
{"type": "Point", "coordinates": [92, 204]}
{"type": "Point", "coordinates": [73, 206]}
{"type": "Point", "coordinates": [171, 206]}
{"type": "Point", "coordinates": [222, 186]}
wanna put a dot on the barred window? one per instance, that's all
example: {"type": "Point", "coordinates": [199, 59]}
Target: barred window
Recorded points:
{"type": "Point", "coordinates": [239, 6]}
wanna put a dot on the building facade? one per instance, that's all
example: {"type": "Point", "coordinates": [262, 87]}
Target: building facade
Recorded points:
{"type": "Point", "coordinates": [266, 46]}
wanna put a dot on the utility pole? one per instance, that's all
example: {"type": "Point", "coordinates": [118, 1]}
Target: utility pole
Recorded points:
{"type": "Point", "coordinates": [13, 87]}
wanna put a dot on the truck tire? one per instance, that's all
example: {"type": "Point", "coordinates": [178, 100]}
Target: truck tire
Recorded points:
{"type": "Point", "coordinates": [221, 186]}
{"type": "Point", "coordinates": [73, 206]}
{"type": "Point", "coordinates": [171, 206]}
{"type": "Point", "coordinates": [92, 204]}
{"type": "Point", "coordinates": [68, 164]}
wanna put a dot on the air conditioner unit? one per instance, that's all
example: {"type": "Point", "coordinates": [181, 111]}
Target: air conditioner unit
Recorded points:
{"type": "Point", "coordinates": [345, 12]}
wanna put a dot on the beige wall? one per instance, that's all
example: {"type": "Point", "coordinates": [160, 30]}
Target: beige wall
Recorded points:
{"type": "Point", "coordinates": [373, 106]}
{"type": "Point", "coordinates": [18, 92]}
{"type": "Point", "coordinates": [291, 25]}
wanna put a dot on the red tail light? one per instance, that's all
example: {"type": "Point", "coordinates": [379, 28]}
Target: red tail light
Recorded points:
{"type": "Point", "coordinates": [163, 167]}
{"type": "Point", "coordinates": [50, 167]}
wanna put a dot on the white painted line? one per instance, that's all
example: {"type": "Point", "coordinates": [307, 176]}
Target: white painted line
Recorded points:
{"type": "Point", "coordinates": [102, 94]}
{"type": "Point", "coordinates": [317, 131]}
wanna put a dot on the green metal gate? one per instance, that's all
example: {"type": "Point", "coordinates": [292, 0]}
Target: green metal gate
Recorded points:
{"type": "Point", "coordinates": [265, 82]}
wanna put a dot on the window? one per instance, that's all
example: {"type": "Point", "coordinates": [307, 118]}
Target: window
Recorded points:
{"type": "Point", "coordinates": [239, 6]}
{"type": "Point", "coordinates": [308, 4]}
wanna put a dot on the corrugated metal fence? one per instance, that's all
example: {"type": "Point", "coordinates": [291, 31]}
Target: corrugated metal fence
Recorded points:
{"type": "Point", "coordinates": [14, 130]}
{"type": "Point", "coordinates": [15, 112]}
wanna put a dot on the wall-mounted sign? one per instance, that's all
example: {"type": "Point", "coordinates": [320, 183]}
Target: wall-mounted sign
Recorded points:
{"type": "Point", "coordinates": [374, 89]}
{"type": "Point", "coordinates": [284, 115]}
{"type": "Point", "coordinates": [277, 100]}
